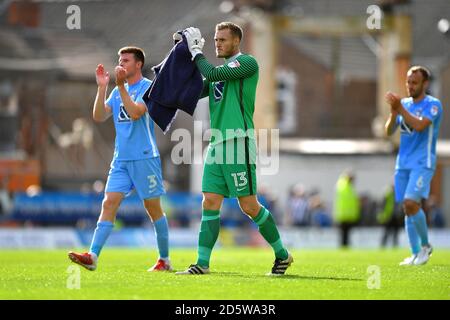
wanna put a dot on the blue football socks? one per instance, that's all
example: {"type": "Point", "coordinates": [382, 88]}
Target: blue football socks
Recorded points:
{"type": "Point", "coordinates": [413, 237]}
{"type": "Point", "coordinates": [162, 236]}
{"type": "Point", "coordinates": [420, 222]}
{"type": "Point", "coordinates": [101, 233]}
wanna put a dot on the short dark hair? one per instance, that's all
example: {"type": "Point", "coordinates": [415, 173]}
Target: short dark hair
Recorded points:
{"type": "Point", "coordinates": [424, 71]}
{"type": "Point", "coordinates": [234, 28]}
{"type": "Point", "coordinates": [138, 53]}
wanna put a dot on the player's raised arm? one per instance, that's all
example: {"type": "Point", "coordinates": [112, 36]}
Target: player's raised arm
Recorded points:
{"type": "Point", "coordinates": [243, 67]}
{"type": "Point", "coordinates": [101, 111]}
{"type": "Point", "coordinates": [391, 123]}
{"type": "Point", "coordinates": [227, 45]}
{"type": "Point", "coordinates": [417, 123]}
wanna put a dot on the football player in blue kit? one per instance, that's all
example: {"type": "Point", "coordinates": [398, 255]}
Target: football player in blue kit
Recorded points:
{"type": "Point", "coordinates": [136, 163]}
{"type": "Point", "coordinates": [419, 118]}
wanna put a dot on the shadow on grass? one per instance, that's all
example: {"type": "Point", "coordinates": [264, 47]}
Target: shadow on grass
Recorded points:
{"type": "Point", "coordinates": [284, 277]}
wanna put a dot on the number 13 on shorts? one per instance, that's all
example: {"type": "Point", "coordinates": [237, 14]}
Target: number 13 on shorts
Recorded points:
{"type": "Point", "coordinates": [240, 180]}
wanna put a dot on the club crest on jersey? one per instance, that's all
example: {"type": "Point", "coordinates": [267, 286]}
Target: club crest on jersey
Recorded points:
{"type": "Point", "coordinates": [218, 90]}
{"type": "Point", "coordinates": [434, 110]}
{"type": "Point", "coordinates": [123, 114]}
{"type": "Point", "coordinates": [234, 64]}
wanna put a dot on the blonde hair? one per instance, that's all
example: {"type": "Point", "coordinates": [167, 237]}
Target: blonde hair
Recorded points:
{"type": "Point", "coordinates": [234, 28]}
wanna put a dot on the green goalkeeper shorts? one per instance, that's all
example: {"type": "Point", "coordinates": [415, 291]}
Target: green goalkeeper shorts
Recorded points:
{"type": "Point", "coordinates": [230, 168]}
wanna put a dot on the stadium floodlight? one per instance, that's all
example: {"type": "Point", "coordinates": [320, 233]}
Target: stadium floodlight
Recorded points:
{"type": "Point", "coordinates": [443, 26]}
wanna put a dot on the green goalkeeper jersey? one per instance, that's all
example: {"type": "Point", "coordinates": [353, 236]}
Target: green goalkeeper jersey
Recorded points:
{"type": "Point", "coordinates": [232, 89]}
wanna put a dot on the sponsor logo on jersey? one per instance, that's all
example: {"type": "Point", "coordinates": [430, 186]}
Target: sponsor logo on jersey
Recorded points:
{"type": "Point", "coordinates": [123, 115]}
{"type": "Point", "coordinates": [218, 90]}
{"type": "Point", "coordinates": [234, 64]}
{"type": "Point", "coordinates": [405, 128]}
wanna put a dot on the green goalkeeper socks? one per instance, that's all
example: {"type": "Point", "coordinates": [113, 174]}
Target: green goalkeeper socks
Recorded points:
{"type": "Point", "coordinates": [269, 231]}
{"type": "Point", "coordinates": [209, 231]}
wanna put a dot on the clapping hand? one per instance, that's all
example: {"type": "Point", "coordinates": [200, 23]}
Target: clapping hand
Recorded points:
{"type": "Point", "coordinates": [101, 76]}
{"type": "Point", "coordinates": [121, 75]}
{"type": "Point", "coordinates": [394, 100]}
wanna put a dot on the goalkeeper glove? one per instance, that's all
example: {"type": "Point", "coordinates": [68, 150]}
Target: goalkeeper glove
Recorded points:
{"type": "Point", "coordinates": [194, 40]}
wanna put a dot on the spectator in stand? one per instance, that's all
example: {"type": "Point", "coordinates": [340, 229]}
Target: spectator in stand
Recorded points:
{"type": "Point", "coordinates": [320, 217]}
{"type": "Point", "coordinates": [298, 207]}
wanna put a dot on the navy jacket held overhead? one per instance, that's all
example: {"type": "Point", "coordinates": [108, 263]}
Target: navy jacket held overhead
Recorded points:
{"type": "Point", "coordinates": [177, 86]}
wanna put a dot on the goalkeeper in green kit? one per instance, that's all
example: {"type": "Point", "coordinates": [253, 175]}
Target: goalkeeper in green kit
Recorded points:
{"type": "Point", "coordinates": [230, 169]}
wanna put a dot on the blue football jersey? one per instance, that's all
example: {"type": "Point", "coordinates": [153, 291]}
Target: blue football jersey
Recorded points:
{"type": "Point", "coordinates": [418, 149]}
{"type": "Point", "coordinates": [135, 139]}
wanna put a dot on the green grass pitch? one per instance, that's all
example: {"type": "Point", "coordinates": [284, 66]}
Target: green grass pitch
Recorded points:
{"type": "Point", "coordinates": [237, 273]}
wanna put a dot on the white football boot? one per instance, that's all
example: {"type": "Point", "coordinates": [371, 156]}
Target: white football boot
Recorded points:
{"type": "Point", "coordinates": [424, 255]}
{"type": "Point", "coordinates": [409, 261]}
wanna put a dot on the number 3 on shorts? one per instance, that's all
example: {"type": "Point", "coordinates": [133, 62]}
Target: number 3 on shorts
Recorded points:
{"type": "Point", "coordinates": [240, 179]}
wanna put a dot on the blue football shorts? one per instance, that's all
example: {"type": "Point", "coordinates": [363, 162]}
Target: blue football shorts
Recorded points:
{"type": "Point", "coordinates": [413, 184]}
{"type": "Point", "coordinates": [142, 175]}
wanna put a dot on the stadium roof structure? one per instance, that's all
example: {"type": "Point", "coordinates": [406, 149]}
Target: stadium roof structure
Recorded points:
{"type": "Point", "coordinates": [356, 59]}
{"type": "Point", "coordinates": [106, 26]}
{"type": "Point", "coordinates": [46, 50]}
{"type": "Point", "coordinates": [358, 53]}
{"type": "Point", "coordinates": [109, 25]}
